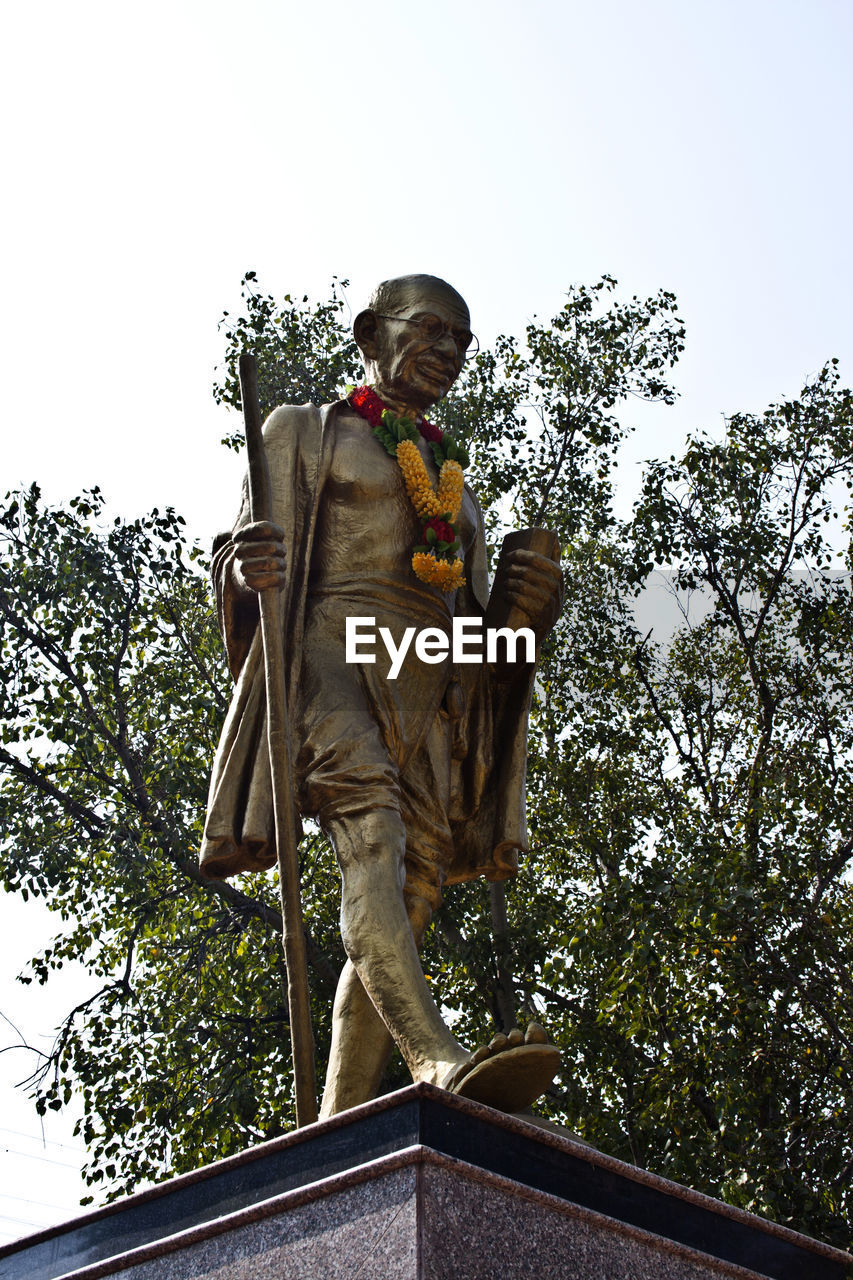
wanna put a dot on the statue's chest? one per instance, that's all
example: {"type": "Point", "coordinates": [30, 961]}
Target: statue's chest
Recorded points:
{"type": "Point", "coordinates": [366, 522]}
{"type": "Point", "coordinates": [362, 472]}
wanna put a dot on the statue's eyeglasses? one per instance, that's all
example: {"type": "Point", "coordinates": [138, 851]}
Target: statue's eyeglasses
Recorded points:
{"type": "Point", "coordinates": [432, 329]}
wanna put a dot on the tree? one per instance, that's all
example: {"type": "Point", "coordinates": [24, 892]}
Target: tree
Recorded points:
{"type": "Point", "coordinates": [114, 689]}
{"type": "Point", "coordinates": [682, 923]}
{"type": "Point", "coordinates": [755, 824]}
{"type": "Point", "coordinates": [305, 351]}
{"type": "Point", "coordinates": [696, 801]}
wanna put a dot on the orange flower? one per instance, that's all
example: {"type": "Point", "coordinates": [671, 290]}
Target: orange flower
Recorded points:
{"type": "Point", "coordinates": [444, 574]}
{"type": "Point", "coordinates": [416, 479]}
{"type": "Point", "coordinates": [451, 486]}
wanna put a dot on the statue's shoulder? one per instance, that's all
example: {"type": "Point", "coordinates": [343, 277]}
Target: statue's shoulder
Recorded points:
{"type": "Point", "coordinates": [301, 423]}
{"type": "Point", "coordinates": [290, 418]}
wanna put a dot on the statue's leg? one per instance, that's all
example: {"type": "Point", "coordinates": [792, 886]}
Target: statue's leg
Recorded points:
{"type": "Point", "coordinates": [361, 1043]}
{"type": "Point", "coordinates": [386, 902]}
{"type": "Point", "coordinates": [361, 1046]}
{"type": "Point", "coordinates": [378, 937]}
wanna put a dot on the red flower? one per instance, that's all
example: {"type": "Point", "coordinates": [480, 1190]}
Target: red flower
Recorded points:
{"type": "Point", "coordinates": [430, 431]}
{"type": "Point", "coordinates": [366, 402]}
{"type": "Point", "coordinates": [443, 531]}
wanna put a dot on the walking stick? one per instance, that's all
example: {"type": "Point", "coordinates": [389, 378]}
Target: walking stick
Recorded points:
{"type": "Point", "coordinates": [278, 738]}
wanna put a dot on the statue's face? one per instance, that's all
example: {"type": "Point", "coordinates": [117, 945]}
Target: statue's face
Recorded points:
{"type": "Point", "coordinates": [414, 365]}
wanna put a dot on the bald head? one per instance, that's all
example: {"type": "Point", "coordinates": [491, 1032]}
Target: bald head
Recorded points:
{"type": "Point", "coordinates": [405, 295]}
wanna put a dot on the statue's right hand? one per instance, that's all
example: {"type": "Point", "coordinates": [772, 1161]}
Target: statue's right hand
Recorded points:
{"type": "Point", "coordinates": [259, 557]}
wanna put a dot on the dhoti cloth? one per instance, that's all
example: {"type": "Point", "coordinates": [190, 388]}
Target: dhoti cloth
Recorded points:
{"type": "Point", "coordinates": [369, 742]}
{"type": "Point", "coordinates": [448, 756]}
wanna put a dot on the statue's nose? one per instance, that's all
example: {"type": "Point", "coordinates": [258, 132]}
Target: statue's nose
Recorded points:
{"type": "Point", "coordinates": [448, 347]}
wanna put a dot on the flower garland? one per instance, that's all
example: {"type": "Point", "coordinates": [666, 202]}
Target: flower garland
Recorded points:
{"type": "Point", "coordinates": [434, 561]}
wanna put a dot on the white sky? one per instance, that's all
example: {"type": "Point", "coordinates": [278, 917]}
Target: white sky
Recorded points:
{"type": "Point", "coordinates": [152, 154]}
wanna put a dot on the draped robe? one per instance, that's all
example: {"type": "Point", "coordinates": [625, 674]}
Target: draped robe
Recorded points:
{"type": "Point", "coordinates": [474, 730]}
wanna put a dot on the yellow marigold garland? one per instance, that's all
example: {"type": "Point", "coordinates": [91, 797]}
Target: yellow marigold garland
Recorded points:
{"type": "Point", "coordinates": [451, 486]}
{"type": "Point", "coordinates": [416, 479]}
{"type": "Point", "coordinates": [446, 501]}
{"type": "Point", "coordinates": [444, 574]}
{"type": "Point", "coordinates": [435, 561]}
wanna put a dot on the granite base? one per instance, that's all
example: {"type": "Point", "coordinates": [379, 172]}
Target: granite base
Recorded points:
{"type": "Point", "coordinates": [421, 1184]}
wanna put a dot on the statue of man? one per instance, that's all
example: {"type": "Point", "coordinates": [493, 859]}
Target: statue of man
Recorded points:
{"type": "Point", "coordinates": [418, 778]}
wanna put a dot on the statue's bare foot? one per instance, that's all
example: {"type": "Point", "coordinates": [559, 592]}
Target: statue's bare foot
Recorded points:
{"type": "Point", "coordinates": [508, 1073]}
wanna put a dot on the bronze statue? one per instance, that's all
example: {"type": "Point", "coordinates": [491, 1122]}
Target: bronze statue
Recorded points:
{"type": "Point", "coordinates": [413, 764]}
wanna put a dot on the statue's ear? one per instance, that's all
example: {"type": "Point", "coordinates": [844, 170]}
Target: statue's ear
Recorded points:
{"type": "Point", "coordinates": [364, 332]}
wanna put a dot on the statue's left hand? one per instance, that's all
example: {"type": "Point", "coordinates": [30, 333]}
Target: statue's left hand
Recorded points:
{"type": "Point", "coordinates": [535, 585]}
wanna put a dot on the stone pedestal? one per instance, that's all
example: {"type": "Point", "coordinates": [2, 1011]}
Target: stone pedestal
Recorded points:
{"type": "Point", "coordinates": [420, 1184]}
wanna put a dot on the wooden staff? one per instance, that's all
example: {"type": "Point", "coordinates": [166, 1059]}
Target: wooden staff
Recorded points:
{"type": "Point", "coordinates": [278, 737]}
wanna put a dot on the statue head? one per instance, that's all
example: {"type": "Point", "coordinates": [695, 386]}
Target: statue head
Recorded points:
{"type": "Point", "coordinates": [413, 337]}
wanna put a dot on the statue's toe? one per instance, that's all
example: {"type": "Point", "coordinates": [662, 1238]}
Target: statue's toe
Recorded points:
{"type": "Point", "coordinates": [509, 1079]}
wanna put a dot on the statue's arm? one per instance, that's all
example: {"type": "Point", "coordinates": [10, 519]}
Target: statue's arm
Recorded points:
{"type": "Point", "coordinates": [259, 562]}
{"type": "Point", "coordinates": [245, 562]}
{"type": "Point", "coordinates": [248, 560]}
{"type": "Point", "coordinates": [237, 614]}
{"type": "Point", "coordinates": [528, 592]}
{"type": "Point", "coordinates": [251, 558]}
